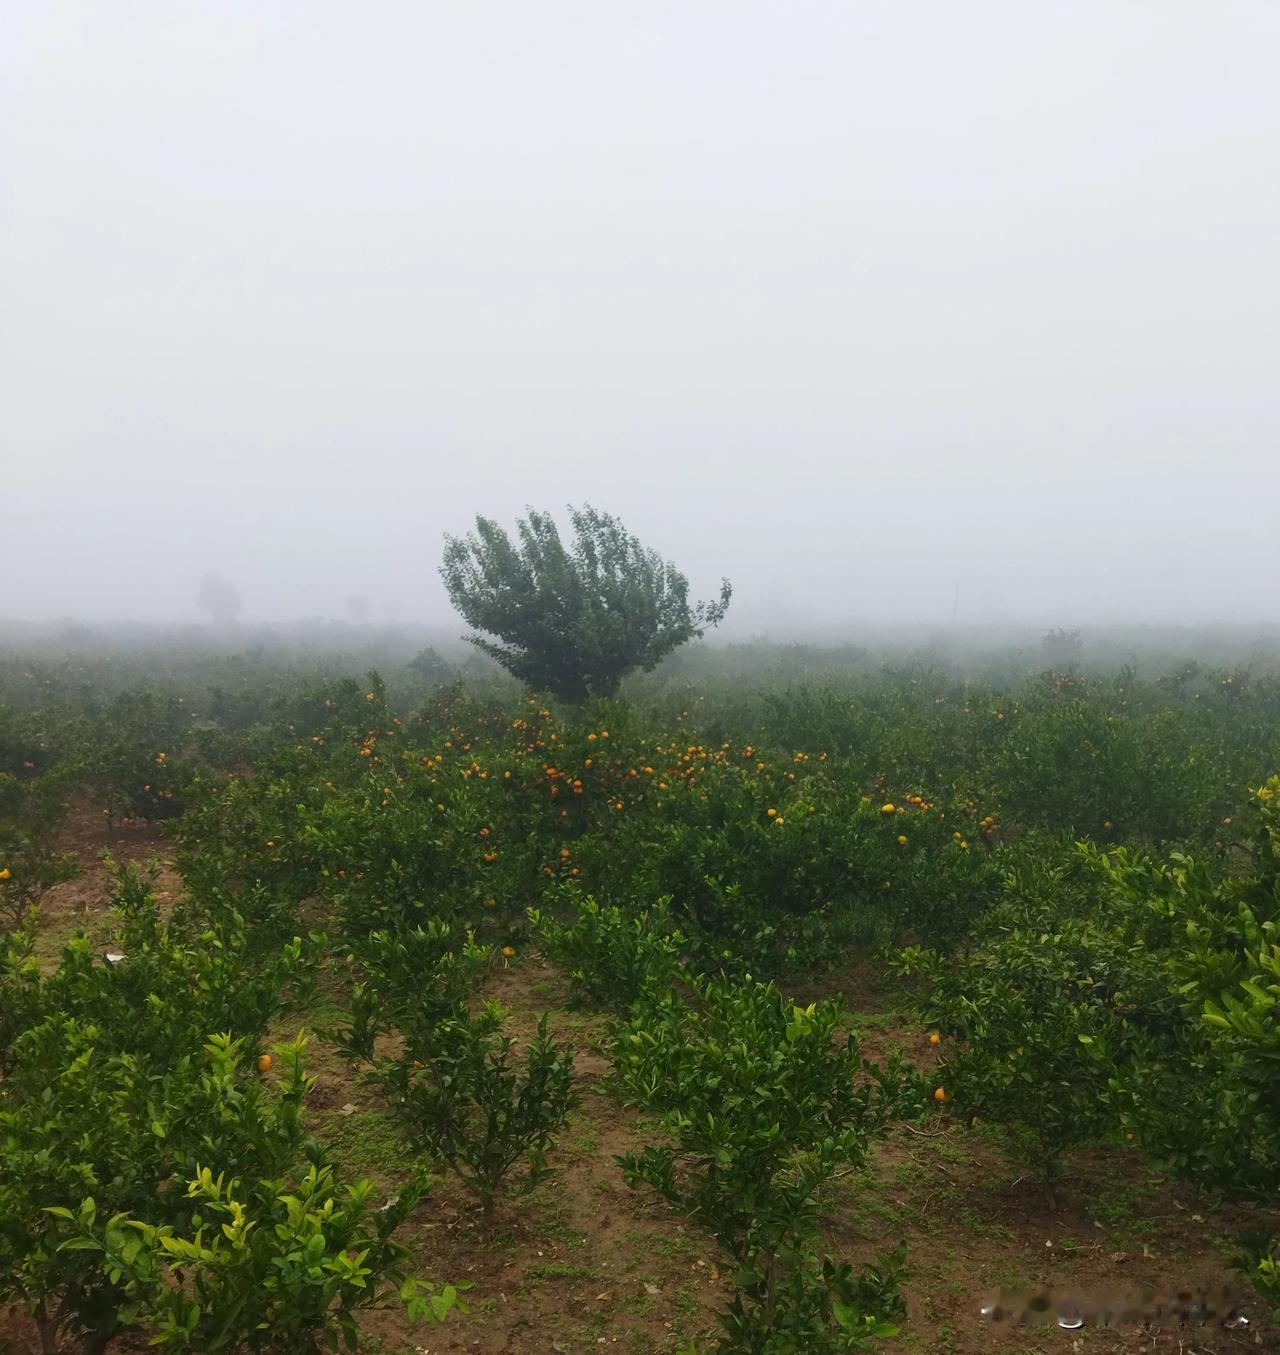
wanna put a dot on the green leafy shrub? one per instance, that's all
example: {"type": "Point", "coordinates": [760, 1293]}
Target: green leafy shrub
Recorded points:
{"type": "Point", "coordinates": [1203, 1098]}
{"type": "Point", "coordinates": [763, 1104]}
{"type": "Point", "coordinates": [407, 980]}
{"type": "Point", "coordinates": [822, 1308]}
{"type": "Point", "coordinates": [284, 1264]}
{"type": "Point", "coordinates": [614, 959]}
{"type": "Point", "coordinates": [1259, 1260]}
{"type": "Point", "coordinates": [122, 1131]}
{"type": "Point", "coordinates": [31, 812]}
{"type": "Point", "coordinates": [459, 1095]}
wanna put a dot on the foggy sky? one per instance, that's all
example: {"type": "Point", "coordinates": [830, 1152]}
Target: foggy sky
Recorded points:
{"type": "Point", "coordinates": [859, 304]}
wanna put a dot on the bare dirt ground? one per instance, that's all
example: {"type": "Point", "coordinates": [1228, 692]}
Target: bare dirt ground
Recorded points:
{"type": "Point", "coordinates": [585, 1264]}
{"type": "Point", "coordinates": [83, 903]}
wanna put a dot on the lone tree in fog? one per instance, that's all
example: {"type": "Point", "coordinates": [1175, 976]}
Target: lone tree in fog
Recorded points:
{"type": "Point", "coordinates": [220, 598]}
{"type": "Point", "coordinates": [572, 621]}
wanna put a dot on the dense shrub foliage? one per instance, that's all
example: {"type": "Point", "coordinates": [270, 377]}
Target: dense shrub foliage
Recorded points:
{"type": "Point", "coordinates": [1082, 873]}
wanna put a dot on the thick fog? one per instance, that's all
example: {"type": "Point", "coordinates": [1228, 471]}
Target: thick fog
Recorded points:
{"type": "Point", "coordinates": [887, 311]}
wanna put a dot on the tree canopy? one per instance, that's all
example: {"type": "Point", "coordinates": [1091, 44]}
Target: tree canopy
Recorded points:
{"type": "Point", "coordinates": [575, 620]}
{"type": "Point", "coordinates": [220, 598]}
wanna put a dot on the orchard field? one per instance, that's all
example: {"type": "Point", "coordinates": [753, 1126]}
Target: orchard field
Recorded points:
{"type": "Point", "coordinates": [780, 1004]}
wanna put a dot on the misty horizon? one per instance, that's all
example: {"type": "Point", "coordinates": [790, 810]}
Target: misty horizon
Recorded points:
{"type": "Point", "coordinates": [890, 315]}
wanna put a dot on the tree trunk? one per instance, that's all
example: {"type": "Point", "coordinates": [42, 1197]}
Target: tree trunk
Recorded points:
{"type": "Point", "coordinates": [48, 1330]}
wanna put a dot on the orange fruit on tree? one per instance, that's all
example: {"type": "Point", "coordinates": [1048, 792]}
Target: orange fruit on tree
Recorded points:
{"type": "Point", "coordinates": [941, 1095]}
{"type": "Point", "coordinates": [264, 1062]}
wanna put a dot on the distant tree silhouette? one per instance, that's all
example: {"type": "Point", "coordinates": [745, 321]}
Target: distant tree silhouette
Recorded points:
{"type": "Point", "coordinates": [1062, 648]}
{"type": "Point", "coordinates": [429, 666]}
{"type": "Point", "coordinates": [220, 598]}
{"type": "Point", "coordinates": [572, 621]}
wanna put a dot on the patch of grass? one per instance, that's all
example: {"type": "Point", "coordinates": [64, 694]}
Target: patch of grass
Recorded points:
{"type": "Point", "coordinates": [948, 1152]}
{"type": "Point", "coordinates": [892, 1214]}
{"type": "Point", "coordinates": [685, 1299]}
{"type": "Point", "coordinates": [553, 1220]}
{"type": "Point", "coordinates": [901, 1174]}
{"type": "Point", "coordinates": [582, 1136]}
{"type": "Point", "coordinates": [581, 1024]}
{"type": "Point", "coordinates": [556, 1270]}
{"type": "Point", "coordinates": [985, 1131]}
{"type": "Point", "coordinates": [1120, 1210]}
{"type": "Point", "coordinates": [362, 1143]}
{"type": "Point", "coordinates": [1005, 1275]}
{"type": "Point", "coordinates": [665, 1246]}
{"type": "Point", "coordinates": [96, 923]}
{"type": "Point", "coordinates": [979, 1226]}
{"type": "Point", "coordinates": [371, 1344]}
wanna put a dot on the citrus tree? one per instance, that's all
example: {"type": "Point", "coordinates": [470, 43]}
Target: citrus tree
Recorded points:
{"type": "Point", "coordinates": [763, 1104]}
{"type": "Point", "coordinates": [572, 620]}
